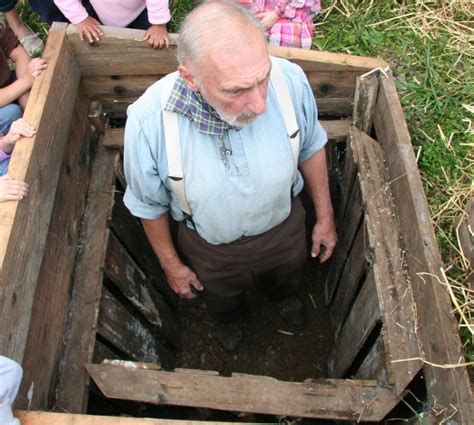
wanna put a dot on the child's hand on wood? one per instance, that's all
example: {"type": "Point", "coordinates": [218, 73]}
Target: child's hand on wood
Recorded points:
{"type": "Point", "coordinates": [89, 27]}
{"type": "Point", "coordinates": [19, 128]}
{"type": "Point", "coordinates": [157, 36]}
{"type": "Point", "coordinates": [12, 190]}
{"type": "Point", "coordinates": [268, 19]}
{"type": "Point", "coordinates": [36, 66]}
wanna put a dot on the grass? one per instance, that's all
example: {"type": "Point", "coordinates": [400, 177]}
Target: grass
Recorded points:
{"type": "Point", "coordinates": [428, 44]}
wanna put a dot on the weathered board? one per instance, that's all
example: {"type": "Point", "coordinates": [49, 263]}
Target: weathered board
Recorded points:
{"type": "Point", "coordinates": [350, 400]}
{"type": "Point", "coordinates": [48, 418]}
{"type": "Point", "coordinates": [37, 160]}
{"type": "Point", "coordinates": [448, 388]}
{"type": "Point", "coordinates": [45, 337]}
{"type": "Point", "coordinates": [87, 284]}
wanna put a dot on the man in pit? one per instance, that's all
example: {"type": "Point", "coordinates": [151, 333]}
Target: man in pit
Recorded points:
{"type": "Point", "coordinates": [222, 145]}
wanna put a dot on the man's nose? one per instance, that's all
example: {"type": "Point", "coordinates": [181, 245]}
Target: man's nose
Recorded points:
{"type": "Point", "coordinates": [257, 102]}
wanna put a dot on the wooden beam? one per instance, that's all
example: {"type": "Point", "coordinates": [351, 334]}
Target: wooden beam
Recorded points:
{"type": "Point", "coordinates": [337, 130]}
{"type": "Point", "coordinates": [448, 389]}
{"type": "Point", "coordinates": [129, 334]}
{"type": "Point", "coordinates": [354, 269]}
{"type": "Point", "coordinates": [106, 56]}
{"type": "Point", "coordinates": [87, 285]}
{"type": "Point", "coordinates": [330, 399]}
{"type": "Point", "coordinates": [392, 284]}
{"type": "Point", "coordinates": [362, 320]}
{"type": "Point", "coordinates": [50, 418]}
{"type": "Point", "coordinates": [374, 366]}
{"type": "Point", "coordinates": [45, 337]}
{"type": "Point", "coordinates": [365, 99]}
{"type": "Point", "coordinates": [140, 291]}
{"type": "Point", "coordinates": [132, 235]}
{"type": "Point", "coordinates": [37, 160]}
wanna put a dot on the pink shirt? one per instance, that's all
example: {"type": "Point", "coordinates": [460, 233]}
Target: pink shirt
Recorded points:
{"type": "Point", "coordinates": [116, 13]}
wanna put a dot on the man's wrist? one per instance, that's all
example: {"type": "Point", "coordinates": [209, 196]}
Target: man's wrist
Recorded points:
{"type": "Point", "coordinates": [171, 262]}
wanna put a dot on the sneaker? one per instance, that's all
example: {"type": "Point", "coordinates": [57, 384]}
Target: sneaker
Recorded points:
{"type": "Point", "coordinates": [291, 309]}
{"type": "Point", "coordinates": [32, 43]}
{"type": "Point", "coordinates": [229, 335]}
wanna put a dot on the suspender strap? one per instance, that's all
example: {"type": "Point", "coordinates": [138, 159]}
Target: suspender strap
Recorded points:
{"type": "Point", "coordinates": [173, 146]}
{"type": "Point", "coordinates": [280, 86]}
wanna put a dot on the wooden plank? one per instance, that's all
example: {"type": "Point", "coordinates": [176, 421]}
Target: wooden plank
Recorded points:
{"type": "Point", "coordinates": [354, 269]}
{"type": "Point", "coordinates": [125, 331]}
{"type": "Point", "coordinates": [106, 57]}
{"type": "Point", "coordinates": [373, 366]}
{"type": "Point", "coordinates": [45, 338]}
{"type": "Point", "coordinates": [333, 84]}
{"type": "Point", "coordinates": [132, 235]}
{"type": "Point", "coordinates": [337, 130]}
{"type": "Point", "coordinates": [347, 233]}
{"type": "Point", "coordinates": [392, 283]}
{"type": "Point", "coordinates": [313, 60]}
{"type": "Point", "coordinates": [362, 320]}
{"type": "Point", "coordinates": [140, 291]}
{"type": "Point", "coordinates": [330, 399]}
{"type": "Point", "coordinates": [36, 160]}
{"type": "Point", "coordinates": [87, 286]}
{"type": "Point", "coordinates": [365, 98]}
{"type": "Point", "coordinates": [335, 106]}
{"type": "Point", "coordinates": [120, 86]}
{"type": "Point", "coordinates": [102, 352]}
{"type": "Point", "coordinates": [438, 331]}
{"type": "Point", "coordinates": [113, 138]}
{"type": "Point", "coordinates": [49, 418]}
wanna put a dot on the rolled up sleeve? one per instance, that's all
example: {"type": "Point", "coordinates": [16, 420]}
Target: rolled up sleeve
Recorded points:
{"type": "Point", "coordinates": [313, 137]}
{"type": "Point", "coordinates": [146, 195]}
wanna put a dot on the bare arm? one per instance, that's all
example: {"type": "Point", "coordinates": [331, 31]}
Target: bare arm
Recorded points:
{"type": "Point", "coordinates": [324, 237]}
{"type": "Point", "coordinates": [180, 277]}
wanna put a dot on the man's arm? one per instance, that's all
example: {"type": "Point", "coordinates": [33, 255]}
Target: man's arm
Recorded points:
{"type": "Point", "coordinates": [314, 170]}
{"type": "Point", "coordinates": [180, 277]}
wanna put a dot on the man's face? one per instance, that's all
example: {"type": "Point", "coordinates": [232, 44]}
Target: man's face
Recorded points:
{"type": "Point", "coordinates": [235, 83]}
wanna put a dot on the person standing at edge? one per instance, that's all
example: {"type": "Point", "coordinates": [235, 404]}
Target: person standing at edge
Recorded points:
{"type": "Point", "coordinates": [241, 222]}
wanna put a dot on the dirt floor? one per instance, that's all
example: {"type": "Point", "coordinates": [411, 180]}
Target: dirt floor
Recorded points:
{"type": "Point", "coordinates": [269, 347]}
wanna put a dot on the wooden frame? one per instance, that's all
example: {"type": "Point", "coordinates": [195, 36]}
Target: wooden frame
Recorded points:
{"type": "Point", "coordinates": [39, 240]}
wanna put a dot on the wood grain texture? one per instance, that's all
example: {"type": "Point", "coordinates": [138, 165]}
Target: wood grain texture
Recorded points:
{"type": "Point", "coordinates": [438, 330]}
{"type": "Point", "coordinates": [333, 399]}
{"type": "Point", "coordinates": [37, 160]}
{"type": "Point", "coordinates": [45, 337]}
{"type": "Point", "coordinates": [87, 285]}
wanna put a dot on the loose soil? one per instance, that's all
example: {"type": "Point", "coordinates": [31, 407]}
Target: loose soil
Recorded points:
{"type": "Point", "coordinates": [268, 347]}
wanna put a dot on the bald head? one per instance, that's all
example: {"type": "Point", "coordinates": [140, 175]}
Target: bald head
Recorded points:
{"type": "Point", "coordinates": [216, 27]}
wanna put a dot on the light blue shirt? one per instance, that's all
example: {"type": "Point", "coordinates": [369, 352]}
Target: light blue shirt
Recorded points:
{"type": "Point", "coordinates": [238, 185]}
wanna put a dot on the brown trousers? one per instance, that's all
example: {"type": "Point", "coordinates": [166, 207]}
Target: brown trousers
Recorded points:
{"type": "Point", "coordinates": [272, 261]}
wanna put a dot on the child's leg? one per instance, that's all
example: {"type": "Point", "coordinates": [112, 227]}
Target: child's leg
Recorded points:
{"type": "Point", "coordinates": [10, 379]}
{"type": "Point", "coordinates": [8, 114]}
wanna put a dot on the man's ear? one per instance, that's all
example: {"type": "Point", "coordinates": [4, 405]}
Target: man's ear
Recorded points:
{"type": "Point", "coordinates": [188, 76]}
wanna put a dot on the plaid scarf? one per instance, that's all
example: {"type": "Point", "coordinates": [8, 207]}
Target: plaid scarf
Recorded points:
{"type": "Point", "coordinates": [192, 105]}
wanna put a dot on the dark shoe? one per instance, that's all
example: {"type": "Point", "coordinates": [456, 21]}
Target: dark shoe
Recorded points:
{"type": "Point", "coordinates": [229, 335]}
{"type": "Point", "coordinates": [291, 310]}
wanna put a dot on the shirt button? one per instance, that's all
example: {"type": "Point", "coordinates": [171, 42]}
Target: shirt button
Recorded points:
{"type": "Point", "coordinates": [228, 152]}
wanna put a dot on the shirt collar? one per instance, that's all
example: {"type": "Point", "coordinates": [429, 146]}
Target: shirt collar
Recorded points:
{"type": "Point", "coordinates": [192, 105]}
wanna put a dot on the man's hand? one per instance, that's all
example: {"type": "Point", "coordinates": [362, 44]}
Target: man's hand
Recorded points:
{"type": "Point", "coordinates": [36, 66]}
{"type": "Point", "coordinates": [157, 36]}
{"type": "Point", "coordinates": [182, 280]}
{"type": "Point", "coordinates": [324, 240]}
{"type": "Point", "coordinates": [89, 27]}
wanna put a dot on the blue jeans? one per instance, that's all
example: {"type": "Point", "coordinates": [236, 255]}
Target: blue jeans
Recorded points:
{"type": "Point", "coordinates": [8, 114]}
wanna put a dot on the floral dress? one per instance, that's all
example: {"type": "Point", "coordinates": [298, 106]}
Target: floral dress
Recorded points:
{"type": "Point", "coordinates": [295, 26]}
